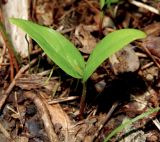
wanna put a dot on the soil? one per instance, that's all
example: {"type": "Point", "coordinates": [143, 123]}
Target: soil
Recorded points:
{"type": "Point", "coordinates": [40, 103]}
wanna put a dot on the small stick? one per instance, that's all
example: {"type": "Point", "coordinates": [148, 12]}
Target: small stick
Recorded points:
{"type": "Point", "coordinates": [147, 65]}
{"type": "Point", "coordinates": [65, 99]}
{"type": "Point", "coordinates": [43, 111]}
{"type": "Point", "coordinates": [152, 57]}
{"type": "Point", "coordinates": [114, 106]}
{"type": "Point", "coordinates": [35, 51]}
{"type": "Point", "coordinates": [4, 64]}
{"type": "Point", "coordinates": [157, 123]}
{"type": "Point", "coordinates": [18, 111]}
{"type": "Point", "coordinates": [141, 55]}
{"type": "Point", "coordinates": [145, 6]}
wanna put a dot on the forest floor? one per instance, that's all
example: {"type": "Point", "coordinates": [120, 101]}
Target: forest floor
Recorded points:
{"type": "Point", "coordinates": [40, 103]}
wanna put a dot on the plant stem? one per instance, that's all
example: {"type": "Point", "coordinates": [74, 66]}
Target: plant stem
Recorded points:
{"type": "Point", "coordinates": [101, 23]}
{"type": "Point", "coordinates": [82, 102]}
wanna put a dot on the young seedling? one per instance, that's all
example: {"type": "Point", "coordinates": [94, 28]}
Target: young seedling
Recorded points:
{"type": "Point", "coordinates": [107, 2]}
{"type": "Point", "coordinates": [68, 57]}
{"type": "Point", "coordinates": [102, 4]}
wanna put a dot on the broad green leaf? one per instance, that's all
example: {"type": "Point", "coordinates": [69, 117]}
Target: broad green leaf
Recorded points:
{"type": "Point", "coordinates": [108, 46]}
{"type": "Point", "coordinates": [129, 122]}
{"type": "Point", "coordinates": [56, 46]}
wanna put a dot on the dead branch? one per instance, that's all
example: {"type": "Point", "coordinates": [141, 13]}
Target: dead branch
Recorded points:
{"type": "Point", "coordinates": [43, 111]}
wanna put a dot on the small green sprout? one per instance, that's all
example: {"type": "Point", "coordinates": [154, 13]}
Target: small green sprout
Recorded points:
{"type": "Point", "coordinates": [68, 57]}
{"type": "Point", "coordinates": [129, 122]}
{"type": "Point", "coordinates": [107, 2]}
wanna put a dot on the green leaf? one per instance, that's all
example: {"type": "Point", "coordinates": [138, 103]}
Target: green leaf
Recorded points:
{"type": "Point", "coordinates": [102, 3]}
{"type": "Point", "coordinates": [129, 122]}
{"type": "Point", "coordinates": [111, 1]}
{"type": "Point", "coordinates": [108, 46]}
{"type": "Point", "coordinates": [56, 46]}
{"type": "Point", "coordinates": [107, 2]}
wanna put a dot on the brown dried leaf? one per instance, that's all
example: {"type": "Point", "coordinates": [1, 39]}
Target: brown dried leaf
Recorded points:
{"type": "Point", "coordinates": [124, 61]}
{"type": "Point", "coordinates": [152, 43]}
{"type": "Point", "coordinates": [44, 12]}
{"type": "Point", "coordinates": [153, 29]}
{"type": "Point", "coordinates": [85, 38]}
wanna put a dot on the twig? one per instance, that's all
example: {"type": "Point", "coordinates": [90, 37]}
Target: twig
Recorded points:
{"type": "Point", "coordinates": [18, 111]}
{"type": "Point", "coordinates": [44, 73]}
{"type": "Point", "coordinates": [9, 89]}
{"type": "Point", "coordinates": [114, 106]}
{"type": "Point", "coordinates": [145, 6]}
{"type": "Point", "coordinates": [43, 111]}
{"type": "Point", "coordinates": [152, 57]}
{"type": "Point", "coordinates": [147, 65]}
{"type": "Point", "coordinates": [4, 64]}
{"type": "Point", "coordinates": [157, 123]}
{"type": "Point", "coordinates": [141, 55]}
{"type": "Point", "coordinates": [36, 51]}
{"type": "Point", "coordinates": [65, 99]}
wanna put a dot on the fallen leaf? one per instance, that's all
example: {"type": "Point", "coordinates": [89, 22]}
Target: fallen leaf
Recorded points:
{"type": "Point", "coordinates": [124, 61]}
{"type": "Point", "coordinates": [152, 43]}
{"type": "Point", "coordinates": [85, 38]}
{"type": "Point", "coordinates": [152, 29]}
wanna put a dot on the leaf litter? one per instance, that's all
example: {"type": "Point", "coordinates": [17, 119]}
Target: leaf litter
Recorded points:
{"type": "Point", "coordinates": [131, 80]}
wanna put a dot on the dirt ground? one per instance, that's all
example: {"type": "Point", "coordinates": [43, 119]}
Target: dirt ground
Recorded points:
{"type": "Point", "coordinates": [40, 103]}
